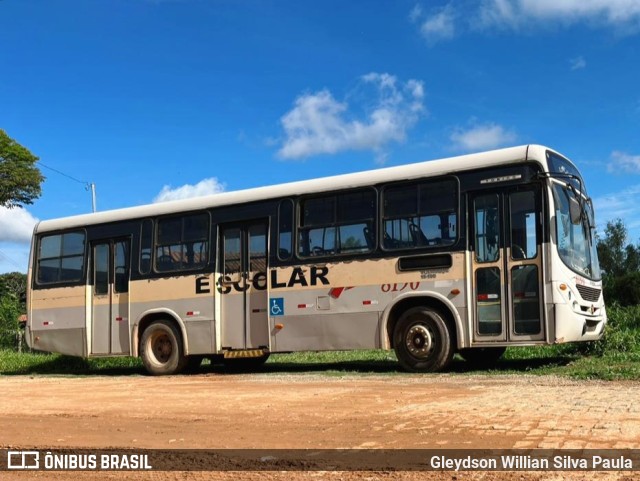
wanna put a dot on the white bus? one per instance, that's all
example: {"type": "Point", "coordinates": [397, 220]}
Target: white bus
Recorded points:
{"type": "Point", "coordinates": [470, 254]}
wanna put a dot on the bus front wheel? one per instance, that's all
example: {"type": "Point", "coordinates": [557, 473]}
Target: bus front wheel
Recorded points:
{"type": "Point", "coordinates": [161, 349]}
{"type": "Point", "coordinates": [422, 341]}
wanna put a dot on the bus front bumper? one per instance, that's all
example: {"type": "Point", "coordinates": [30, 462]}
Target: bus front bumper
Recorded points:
{"type": "Point", "coordinates": [571, 327]}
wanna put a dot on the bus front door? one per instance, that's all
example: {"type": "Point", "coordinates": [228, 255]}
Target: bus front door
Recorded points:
{"type": "Point", "coordinates": [506, 244]}
{"type": "Point", "coordinates": [110, 297]}
{"type": "Point", "coordinates": [243, 286]}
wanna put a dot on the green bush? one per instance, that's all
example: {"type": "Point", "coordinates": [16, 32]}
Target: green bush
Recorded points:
{"type": "Point", "coordinates": [9, 326]}
{"type": "Point", "coordinates": [623, 290]}
{"type": "Point", "coordinates": [621, 336]}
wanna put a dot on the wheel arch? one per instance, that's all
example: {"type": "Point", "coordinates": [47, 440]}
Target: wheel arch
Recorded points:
{"type": "Point", "coordinates": [392, 314]}
{"type": "Point", "coordinates": [151, 316]}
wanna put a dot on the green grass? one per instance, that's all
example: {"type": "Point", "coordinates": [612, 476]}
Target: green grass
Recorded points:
{"type": "Point", "coordinates": [546, 360]}
{"type": "Point", "coordinates": [616, 356]}
{"type": "Point", "coordinates": [12, 362]}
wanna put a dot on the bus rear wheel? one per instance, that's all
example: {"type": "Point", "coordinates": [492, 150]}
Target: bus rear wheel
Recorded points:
{"type": "Point", "coordinates": [161, 349]}
{"type": "Point", "coordinates": [422, 341]}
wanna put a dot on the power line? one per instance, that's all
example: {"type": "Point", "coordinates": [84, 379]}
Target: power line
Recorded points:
{"type": "Point", "coordinates": [87, 185]}
{"type": "Point", "coordinates": [63, 174]}
{"type": "Point", "coordinates": [5, 257]}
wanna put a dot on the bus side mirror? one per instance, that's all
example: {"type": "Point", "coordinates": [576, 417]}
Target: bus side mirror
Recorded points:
{"type": "Point", "coordinates": [575, 211]}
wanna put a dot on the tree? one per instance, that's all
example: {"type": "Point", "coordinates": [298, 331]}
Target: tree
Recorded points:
{"type": "Point", "coordinates": [616, 256]}
{"type": "Point", "coordinates": [20, 179]}
{"type": "Point", "coordinates": [13, 288]}
{"type": "Point", "coordinates": [620, 263]}
{"type": "Point", "coordinates": [9, 326]}
{"type": "Point", "coordinates": [14, 284]}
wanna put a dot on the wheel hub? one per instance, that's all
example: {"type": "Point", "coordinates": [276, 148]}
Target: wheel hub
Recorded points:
{"type": "Point", "coordinates": [419, 341]}
{"type": "Point", "coordinates": [162, 348]}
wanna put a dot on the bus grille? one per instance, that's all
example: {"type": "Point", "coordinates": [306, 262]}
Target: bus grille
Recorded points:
{"type": "Point", "coordinates": [589, 293]}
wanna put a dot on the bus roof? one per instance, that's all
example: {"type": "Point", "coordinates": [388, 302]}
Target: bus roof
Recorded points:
{"type": "Point", "coordinates": [326, 184]}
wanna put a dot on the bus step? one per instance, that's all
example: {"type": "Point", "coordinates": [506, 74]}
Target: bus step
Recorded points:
{"type": "Point", "coordinates": [243, 353]}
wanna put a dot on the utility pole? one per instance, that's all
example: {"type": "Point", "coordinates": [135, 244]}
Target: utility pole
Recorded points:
{"type": "Point", "coordinates": [92, 186]}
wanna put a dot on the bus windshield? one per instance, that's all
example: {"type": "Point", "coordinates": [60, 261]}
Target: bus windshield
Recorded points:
{"type": "Point", "coordinates": [576, 244]}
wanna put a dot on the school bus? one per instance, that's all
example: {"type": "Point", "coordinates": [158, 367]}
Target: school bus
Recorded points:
{"type": "Point", "coordinates": [466, 255]}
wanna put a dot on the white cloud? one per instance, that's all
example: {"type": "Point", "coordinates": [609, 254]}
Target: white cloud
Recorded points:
{"type": "Point", "coordinates": [482, 137]}
{"type": "Point", "coordinates": [624, 14]}
{"type": "Point", "coordinates": [623, 163]}
{"type": "Point", "coordinates": [16, 225]}
{"type": "Point", "coordinates": [494, 12]}
{"type": "Point", "coordinates": [415, 13]}
{"type": "Point", "coordinates": [578, 63]}
{"type": "Point", "coordinates": [320, 124]}
{"type": "Point", "coordinates": [623, 204]}
{"type": "Point", "coordinates": [187, 191]}
{"type": "Point", "coordinates": [459, 16]}
{"type": "Point", "coordinates": [440, 26]}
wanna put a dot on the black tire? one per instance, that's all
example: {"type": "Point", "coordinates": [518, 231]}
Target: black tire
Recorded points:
{"type": "Point", "coordinates": [422, 340]}
{"type": "Point", "coordinates": [482, 357]}
{"type": "Point", "coordinates": [161, 349]}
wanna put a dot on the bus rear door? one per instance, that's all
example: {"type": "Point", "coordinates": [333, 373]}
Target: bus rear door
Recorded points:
{"type": "Point", "coordinates": [244, 295]}
{"type": "Point", "coordinates": [110, 297]}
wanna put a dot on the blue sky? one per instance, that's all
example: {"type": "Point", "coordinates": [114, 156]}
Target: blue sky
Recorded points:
{"type": "Point", "coordinates": [161, 99]}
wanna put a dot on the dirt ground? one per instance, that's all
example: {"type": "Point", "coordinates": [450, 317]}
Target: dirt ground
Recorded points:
{"type": "Point", "coordinates": [293, 411]}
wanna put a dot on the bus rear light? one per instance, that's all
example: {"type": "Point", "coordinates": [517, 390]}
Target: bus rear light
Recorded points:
{"type": "Point", "coordinates": [193, 313]}
{"type": "Point", "coordinates": [369, 303]}
{"type": "Point", "coordinates": [455, 292]}
{"type": "Point", "coordinates": [47, 323]}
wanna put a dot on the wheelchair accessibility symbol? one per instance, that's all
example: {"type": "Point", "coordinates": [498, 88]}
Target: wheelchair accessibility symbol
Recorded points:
{"type": "Point", "coordinates": [276, 306]}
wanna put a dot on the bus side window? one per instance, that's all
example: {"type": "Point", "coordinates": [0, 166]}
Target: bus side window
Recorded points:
{"type": "Point", "coordinates": [343, 223]}
{"type": "Point", "coordinates": [355, 218]}
{"type": "Point", "coordinates": [316, 214]}
{"type": "Point", "coordinates": [182, 243]}
{"type": "Point", "coordinates": [487, 228]}
{"type": "Point", "coordinates": [524, 239]}
{"type": "Point", "coordinates": [61, 258]}
{"type": "Point", "coordinates": [121, 266]}
{"type": "Point", "coordinates": [285, 230]}
{"type": "Point", "coordinates": [146, 239]}
{"type": "Point", "coordinates": [420, 215]}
